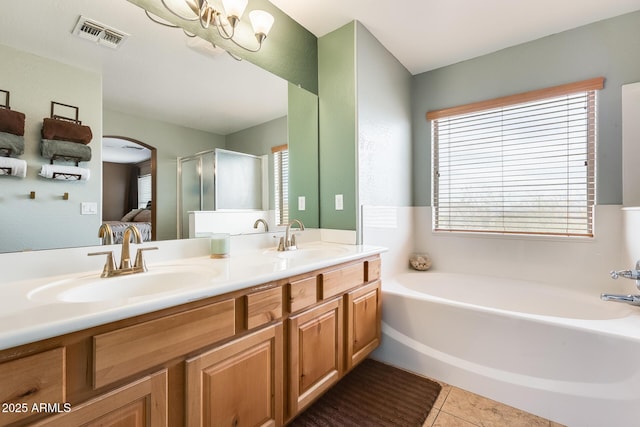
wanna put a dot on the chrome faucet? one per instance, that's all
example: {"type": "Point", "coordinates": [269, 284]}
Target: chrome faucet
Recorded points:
{"type": "Point", "coordinates": [629, 299]}
{"type": "Point", "coordinates": [627, 274]}
{"type": "Point", "coordinates": [263, 222]}
{"type": "Point", "coordinates": [106, 234]}
{"type": "Point", "coordinates": [288, 243]}
{"type": "Point", "coordinates": [125, 267]}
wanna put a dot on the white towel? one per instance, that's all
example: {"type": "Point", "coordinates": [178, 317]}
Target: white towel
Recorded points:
{"type": "Point", "coordinates": [18, 167]}
{"type": "Point", "coordinates": [63, 172]}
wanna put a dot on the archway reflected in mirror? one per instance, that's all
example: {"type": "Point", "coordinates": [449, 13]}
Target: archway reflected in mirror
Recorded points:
{"type": "Point", "coordinates": [129, 186]}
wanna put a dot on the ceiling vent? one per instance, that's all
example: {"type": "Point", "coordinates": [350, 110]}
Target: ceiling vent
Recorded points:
{"type": "Point", "coordinates": [99, 33]}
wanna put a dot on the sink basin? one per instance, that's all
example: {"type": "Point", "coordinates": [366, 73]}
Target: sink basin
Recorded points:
{"type": "Point", "coordinates": [307, 253]}
{"type": "Point", "coordinates": [159, 280]}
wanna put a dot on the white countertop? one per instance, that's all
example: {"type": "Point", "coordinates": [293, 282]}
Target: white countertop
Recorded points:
{"type": "Point", "coordinates": [25, 319]}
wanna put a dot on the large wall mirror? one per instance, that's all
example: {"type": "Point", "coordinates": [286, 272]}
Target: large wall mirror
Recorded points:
{"type": "Point", "coordinates": [160, 87]}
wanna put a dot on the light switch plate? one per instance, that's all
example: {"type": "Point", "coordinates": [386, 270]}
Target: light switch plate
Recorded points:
{"type": "Point", "coordinates": [301, 203]}
{"type": "Point", "coordinates": [89, 208]}
{"type": "Point", "coordinates": [339, 202]}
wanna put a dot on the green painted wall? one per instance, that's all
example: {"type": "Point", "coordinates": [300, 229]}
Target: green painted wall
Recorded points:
{"type": "Point", "coordinates": [609, 48]}
{"type": "Point", "coordinates": [303, 155]}
{"type": "Point", "coordinates": [290, 51]}
{"type": "Point", "coordinates": [337, 110]}
{"type": "Point", "coordinates": [365, 126]}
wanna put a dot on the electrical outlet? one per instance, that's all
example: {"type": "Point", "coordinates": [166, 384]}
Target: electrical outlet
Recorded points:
{"type": "Point", "coordinates": [301, 203]}
{"type": "Point", "coordinates": [339, 202]}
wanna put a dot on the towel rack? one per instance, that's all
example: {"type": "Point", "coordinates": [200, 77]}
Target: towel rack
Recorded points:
{"type": "Point", "coordinates": [6, 104]}
{"type": "Point", "coordinates": [67, 176]}
{"type": "Point", "coordinates": [65, 158]}
{"type": "Point", "coordinates": [65, 118]}
{"type": "Point", "coordinates": [5, 152]}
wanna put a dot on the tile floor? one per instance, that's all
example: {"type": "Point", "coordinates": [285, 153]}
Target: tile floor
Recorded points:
{"type": "Point", "coordinates": [459, 408]}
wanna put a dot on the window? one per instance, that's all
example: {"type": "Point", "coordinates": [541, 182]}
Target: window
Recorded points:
{"type": "Point", "coordinates": [519, 164]}
{"type": "Point", "coordinates": [281, 182]}
{"type": "Point", "coordinates": [144, 190]}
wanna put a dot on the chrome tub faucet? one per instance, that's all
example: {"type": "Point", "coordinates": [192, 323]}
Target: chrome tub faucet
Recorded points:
{"type": "Point", "coordinates": [629, 299]}
{"type": "Point", "coordinates": [627, 274]}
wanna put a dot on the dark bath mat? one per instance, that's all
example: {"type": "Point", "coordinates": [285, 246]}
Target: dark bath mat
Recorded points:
{"type": "Point", "coordinates": [373, 394]}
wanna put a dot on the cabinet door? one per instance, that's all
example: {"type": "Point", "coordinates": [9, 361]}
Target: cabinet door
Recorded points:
{"type": "Point", "coordinates": [31, 380]}
{"type": "Point", "coordinates": [239, 383]}
{"type": "Point", "coordinates": [141, 403]}
{"type": "Point", "coordinates": [315, 353]}
{"type": "Point", "coordinates": [363, 314]}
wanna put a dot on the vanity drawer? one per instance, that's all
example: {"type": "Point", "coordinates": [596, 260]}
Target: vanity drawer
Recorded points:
{"type": "Point", "coordinates": [127, 351]}
{"type": "Point", "coordinates": [303, 293]}
{"type": "Point", "coordinates": [338, 281]}
{"type": "Point", "coordinates": [372, 269]}
{"type": "Point", "coordinates": [262, 307]}
{"type": "Point", "coordinates": [30, 380]}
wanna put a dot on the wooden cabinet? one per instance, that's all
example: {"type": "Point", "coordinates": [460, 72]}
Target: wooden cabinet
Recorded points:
{"type": "Point", "coordinates": [363, 315]}
{"type": "Point", "coordinates": [252, 357]}
{"type": "Point", "coordinates": [325, 341]}
{"type": "Point", "coordinates": [263, 306]}
{"type": "Point", "coordinates": [315, 353]}
{"type": "Point", "coordinates": [303, 293]}
{"type": "Point", "coordinates": [30, 381]}
{"type": "Point", "coordinates": [239, 383]}
{"type": "Point", "coordinates": [340, 280]}
{"type": "Point", "coordinates": [141, 403]}
{"type": "Point", "coordinates": [125, 351]}
{"type": "Point", "coordinates": [372, 269]}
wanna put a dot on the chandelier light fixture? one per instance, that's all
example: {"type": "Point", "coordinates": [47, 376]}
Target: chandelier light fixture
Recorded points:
{"type": "Point", "coordinates": [224, 19]}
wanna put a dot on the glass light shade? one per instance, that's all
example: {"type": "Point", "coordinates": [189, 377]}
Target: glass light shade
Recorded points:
{"type": "Point", "coordinates": [234, 7]}
{"type": "Point", "coordinates": [261, 21]}
{"type": "Point", "coordinates": [185, 9]}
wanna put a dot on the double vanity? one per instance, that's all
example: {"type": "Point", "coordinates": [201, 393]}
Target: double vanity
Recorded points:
{"type": "Point", "coordinates": [249, 340]}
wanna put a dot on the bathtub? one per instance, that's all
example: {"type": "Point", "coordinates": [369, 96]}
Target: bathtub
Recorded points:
{"type": "Point", "coordinates": [559, 354]}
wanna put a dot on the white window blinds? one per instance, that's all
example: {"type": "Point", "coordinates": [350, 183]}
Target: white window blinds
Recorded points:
{"type": "Point", "coordinates": [521, 167]}
{"type": "Point", "coordinates": [144, 190]}
{"type": "Point", "coordinates": [281, 183]}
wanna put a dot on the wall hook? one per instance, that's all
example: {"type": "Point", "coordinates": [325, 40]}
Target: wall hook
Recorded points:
{"type": "Point", "coordinates": [32, 195]}
{"type": "Point", "coordinates": [65, 196]}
